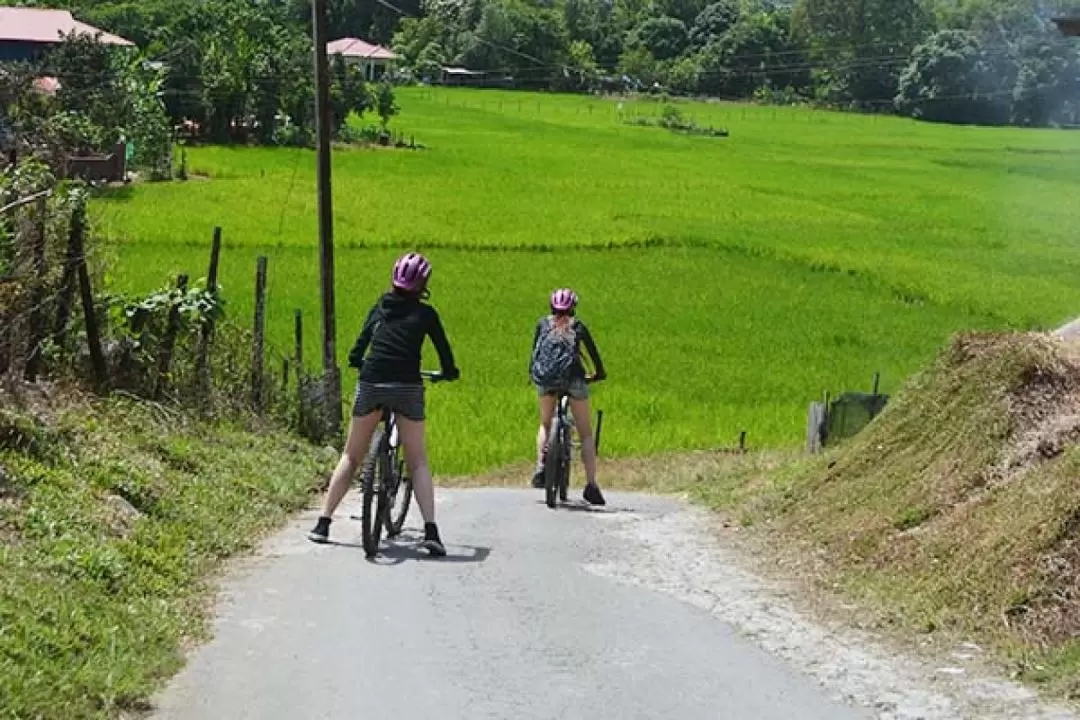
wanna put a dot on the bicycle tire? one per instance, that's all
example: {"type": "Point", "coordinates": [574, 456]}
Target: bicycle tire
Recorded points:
{"type": "Point", "coordinates": [552, 465]}
{"type": "Point", "coordinates": [564, 462]}
{"type": "Point", "coordinates": [398, 502]}
{"type": "Point", "coordinates": [373, 512]}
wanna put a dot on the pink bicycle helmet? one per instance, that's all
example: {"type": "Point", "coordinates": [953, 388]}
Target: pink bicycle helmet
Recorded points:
{"type": "Point", "coordinates": [563, 300]}
{"type": "Point", "coordinates": [411, 273]}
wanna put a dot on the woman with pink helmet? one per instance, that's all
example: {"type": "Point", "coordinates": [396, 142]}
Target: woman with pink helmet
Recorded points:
{"type": "Point", "coordinates": [555, 367]}
{"type": "Point", "coordinates": [387, 355]}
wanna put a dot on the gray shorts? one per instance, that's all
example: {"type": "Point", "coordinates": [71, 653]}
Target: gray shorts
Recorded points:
{"type": "Point", "coordinates": [577, 389]}
{"type": "Point", "coordinates": [404, 399]}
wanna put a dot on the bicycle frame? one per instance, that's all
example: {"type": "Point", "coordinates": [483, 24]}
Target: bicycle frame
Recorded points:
{"type": "Point", "coordinates": [390, 427]}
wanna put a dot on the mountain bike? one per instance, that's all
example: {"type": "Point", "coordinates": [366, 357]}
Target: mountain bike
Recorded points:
{"type": "Point", "coordinates": [560, 445]}
{"type": "Point", "coordinates": [387, 490]}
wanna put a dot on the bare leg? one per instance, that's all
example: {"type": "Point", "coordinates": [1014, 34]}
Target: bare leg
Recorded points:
{"type": "Point", "coordinates": [356, 447]}
{"type": "Point", "coordinates": [583, 423]}
{"type": "Point", "coordinates": [547, 412]}
{"type": "Point", "coordinates": [412, 437]}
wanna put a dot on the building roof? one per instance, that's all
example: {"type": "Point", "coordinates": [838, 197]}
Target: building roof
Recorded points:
{"type": "Point", "coordinates": [461, 71]}
{"type": "Point", "coordinates": [356, 48]}
{"type": "Point", "coordinates": [34, 25]}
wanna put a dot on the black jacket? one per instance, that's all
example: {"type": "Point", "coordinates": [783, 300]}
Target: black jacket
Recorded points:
{"type": "Point", "coordinates": [395, 330]}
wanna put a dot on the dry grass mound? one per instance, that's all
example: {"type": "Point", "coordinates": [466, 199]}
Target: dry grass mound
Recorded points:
{"type": "Point", "coordinates": [958, 509]}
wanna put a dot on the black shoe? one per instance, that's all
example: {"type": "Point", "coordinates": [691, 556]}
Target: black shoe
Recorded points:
{"type": "Point", "coordinates": [321, 532]}
{"type": "Point", "coordinates": [431, 542]}
{"type": "Point", "coordinates": [538, 479]}
{"type": "Point", "coordinates": [592, 495]}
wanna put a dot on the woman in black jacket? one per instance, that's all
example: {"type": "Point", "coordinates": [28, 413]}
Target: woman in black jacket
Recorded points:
{"type": "Point", "coordinates": [389, 378]}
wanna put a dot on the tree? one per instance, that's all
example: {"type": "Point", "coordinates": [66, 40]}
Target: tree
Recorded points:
{"type": "Point", "coordinates": [348, 92]}
{"type": "Point", "coordinates": [712, 22]}
{"type": "Point", "coordinates": [685, 10]}
{"type": "Point", "coordinates": [950, 79]}
{"type": "Point", "coordinates": [638, 64]}
{"type": "Point", "coordinates": [239, 65]}
{"type": "Point", "coordinates": [581, 73]}
{"type": "Point", "coordinates": [683, 76]}
{"type": "Point", "coordinates": [385, 104]}
{"type": "Point", "coordinates": [756, 51]}
{"type": "Point", "coordinates": [1047, 81]}
{"type": "Point", "coordinates": [860, 45]}
{"type": "Point", "coordinates": [92, 84]}
{"type": "Point", "coordinates": [663, 37]}
{"type": "Point", "coordinates": [519, 38]}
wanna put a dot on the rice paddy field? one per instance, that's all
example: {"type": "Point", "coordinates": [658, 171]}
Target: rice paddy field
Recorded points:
{"type": "Point", "coordinates": [728, 281]}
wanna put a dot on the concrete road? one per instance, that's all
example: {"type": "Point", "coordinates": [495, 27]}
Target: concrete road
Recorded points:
{"type": "Point", "coordinates": [511, 625]}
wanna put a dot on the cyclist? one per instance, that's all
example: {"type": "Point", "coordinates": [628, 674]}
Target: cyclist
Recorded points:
{"type": "Point", "coordinates": [389, 377]}
{"type": "Point", "coordinates": [555, 367]}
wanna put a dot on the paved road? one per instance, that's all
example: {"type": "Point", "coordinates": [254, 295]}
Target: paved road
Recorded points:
{"type": "Point", "coordinates": [512, 625]}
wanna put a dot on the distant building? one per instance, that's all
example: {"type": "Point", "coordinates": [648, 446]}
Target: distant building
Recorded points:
{"type": "Point", "coordinates": [1069, 25]}
{"type": "Point", "coordinates": [25, 33]}
{"type": "Point", "coordinates": [461, 76]}
{"type": "Point", "coordinates": [373, 60]}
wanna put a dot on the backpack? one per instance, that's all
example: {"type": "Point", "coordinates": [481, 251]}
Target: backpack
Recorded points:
{"type": "Point", "coordinates": [553, 356]}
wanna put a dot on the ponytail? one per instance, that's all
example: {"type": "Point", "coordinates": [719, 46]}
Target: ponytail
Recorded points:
{"type": "Point", "coordinates": [562, 322]}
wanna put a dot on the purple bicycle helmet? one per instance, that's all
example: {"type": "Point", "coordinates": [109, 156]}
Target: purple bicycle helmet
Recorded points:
{"type": "Point", "coordinates": [411, 273]}
{"type": "Point", "coordinates": [563, 300]}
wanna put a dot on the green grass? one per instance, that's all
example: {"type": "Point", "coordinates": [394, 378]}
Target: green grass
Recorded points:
{"type": "Point", "coordinates": [95, 603]}
{"type": "Point", "coordinates": [728, 281]}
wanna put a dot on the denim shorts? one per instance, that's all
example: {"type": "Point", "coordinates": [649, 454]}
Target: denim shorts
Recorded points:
{"type": "Point", "coordinates": [576, 388]}
{"type": "Point", "coordinates": [405, 399]}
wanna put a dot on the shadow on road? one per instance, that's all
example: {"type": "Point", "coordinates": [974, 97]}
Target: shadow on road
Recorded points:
{"type": "Point", "coordinates": [582, 506]}
{"type": "Point", "coordinates": [404, 548]}
{"type": "Point", "coordinates": [399, 553]}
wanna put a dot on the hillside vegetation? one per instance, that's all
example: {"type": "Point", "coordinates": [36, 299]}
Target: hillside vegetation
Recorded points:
{"type": "Point", "coordinates": [957, 510]}
{"type": "Point", "coordinates": [114, 516]}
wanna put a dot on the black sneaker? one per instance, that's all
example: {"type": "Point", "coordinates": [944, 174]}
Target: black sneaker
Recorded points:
{"type": "Point", "coordinates": [538, 479]}
{"type": "Point", "coordinates": [592, 495]}
{"type": "Point", "coordinates": [321, 532]}
{"type": "Point", "coordinates": [431, 542]}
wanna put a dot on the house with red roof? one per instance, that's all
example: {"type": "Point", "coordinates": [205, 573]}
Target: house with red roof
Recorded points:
{"type": "Point", "coordinates": [374, 60]}
{"type": "Point", "coordinates": [26, 33]}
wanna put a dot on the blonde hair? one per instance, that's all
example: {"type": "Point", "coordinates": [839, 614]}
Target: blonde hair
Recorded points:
{"type": "Point", "coordinates": [562, 322]}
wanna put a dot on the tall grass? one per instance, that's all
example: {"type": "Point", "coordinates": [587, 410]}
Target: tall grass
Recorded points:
{"type": "Point", "coordinates": [728, 281]}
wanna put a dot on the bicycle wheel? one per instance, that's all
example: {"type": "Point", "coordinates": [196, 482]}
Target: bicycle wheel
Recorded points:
{"type": "Point", "coordinates": [564, 462]}
{"type": "Point", "coordinates": [399, 497]}
{"type": "Point", "coordinates": [552, 464]}
{"type": "Point", "coordinates": [373, 513]}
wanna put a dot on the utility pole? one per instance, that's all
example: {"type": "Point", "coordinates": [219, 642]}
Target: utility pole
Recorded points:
{"type": "Point", "coordinates": [331, 376]}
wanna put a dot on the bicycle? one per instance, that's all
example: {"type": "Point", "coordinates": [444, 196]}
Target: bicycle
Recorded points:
{"type": "Point", "coordinates": [387, 491]}
{"type": "Point", "coordinates": [559, 450]}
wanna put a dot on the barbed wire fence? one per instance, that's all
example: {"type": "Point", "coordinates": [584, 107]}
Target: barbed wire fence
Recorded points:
{"type": "Point", "coordinates": [176, 345]}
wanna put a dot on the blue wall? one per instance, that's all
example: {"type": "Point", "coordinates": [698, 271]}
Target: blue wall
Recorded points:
{"type": "Point", "coordinates": [17, 50]}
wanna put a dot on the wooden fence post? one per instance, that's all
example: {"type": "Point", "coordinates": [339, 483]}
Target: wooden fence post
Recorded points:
{"type": "Point", "coordinates": [815, 424]}
{"type": "Point", "coordinates": [68, 279]}
{"type": "Point", "coordinates": [37, 296]}
{"type": "Point", "coordinates": [298, 359]}
{"type": "Point", "coordinates": [206, 336]}
{"type": "Point", "coordinates": [169, 341]}
{"type": "Point", "coordinates": [257, 376]}
{"type": "Point", "coordinates": [93, 334]}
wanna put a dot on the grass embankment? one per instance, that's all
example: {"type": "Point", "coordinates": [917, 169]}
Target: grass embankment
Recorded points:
{"type": "Point", "coordinates": [727, 281]}
{"type": "Point", "coordinates": [113, 518]}
{"type": "Point", "coordinates": [957, 511]}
